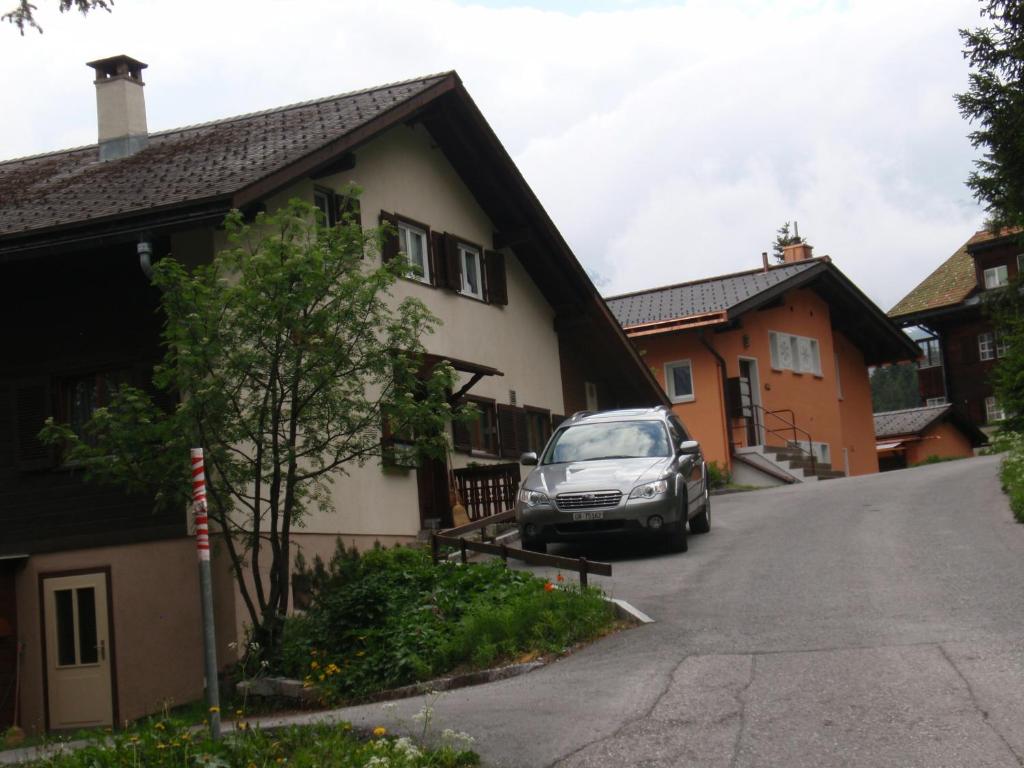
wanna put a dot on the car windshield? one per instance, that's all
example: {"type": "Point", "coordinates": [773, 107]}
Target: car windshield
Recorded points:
{"type": "Point", "coordinates": [610, 440]}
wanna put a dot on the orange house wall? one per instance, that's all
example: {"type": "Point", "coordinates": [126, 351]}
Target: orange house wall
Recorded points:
{"type": "Point", "coordinates": [814, 399]}
{"type": "Point", "coordinates": [943, 440]}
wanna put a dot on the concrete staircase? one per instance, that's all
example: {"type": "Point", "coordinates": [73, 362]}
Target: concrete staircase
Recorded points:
{"type": "Point", "coordinates": [775, 465]}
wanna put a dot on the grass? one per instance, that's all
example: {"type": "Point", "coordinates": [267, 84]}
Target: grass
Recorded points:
{"type": "Point", "coordinates": [392, 617]}
{"type": "Point", "coordinates": [165, 742]}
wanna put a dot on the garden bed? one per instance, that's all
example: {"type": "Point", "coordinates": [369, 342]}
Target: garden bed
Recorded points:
{"type": "Point", "coordinates": [392, 618]}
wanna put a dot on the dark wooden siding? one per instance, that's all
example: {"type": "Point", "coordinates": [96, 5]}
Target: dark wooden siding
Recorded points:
{"type": "Point", "coordinates": [968, 377]}
{"type": "Point", "coordinates": [8, 643]}
{"type": "Point", "coordinates": [63, 317]}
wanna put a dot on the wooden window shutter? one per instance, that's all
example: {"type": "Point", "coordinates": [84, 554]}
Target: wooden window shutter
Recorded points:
{"type": "Point", "coordinates": [507, 424]}
{"type": "Point", "coordinates": [31, 409]}
{"type": "Point", "coordinates": [556, 419]}
{"type": "Point", "coordinates": [494, 272]}
{"type": "Point", "coordinates": [522, 433]}
{"type": "Point", "coordinates": [438, 260]}
{"type": "Point", "coordinates": [387, 442]}
{"type": "Point", "coordinates": [389, 247]}
{"type": "Point", "coordinates": [461, 438]}
{"type": "Point", "coordinates": [452, 268]}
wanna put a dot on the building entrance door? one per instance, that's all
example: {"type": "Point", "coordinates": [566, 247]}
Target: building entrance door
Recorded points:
{"type": "Point", "coordinates": [750, 386]}
{"type": "Point", "coordinates": [79, 685]}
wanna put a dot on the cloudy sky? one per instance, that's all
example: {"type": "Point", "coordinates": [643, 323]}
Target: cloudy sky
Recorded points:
{"type": "Point", "coordinates": [668, 141]}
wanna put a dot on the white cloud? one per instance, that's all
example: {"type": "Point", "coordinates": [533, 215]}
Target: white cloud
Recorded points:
{"type": "Point", "coordinates": [667, 142]}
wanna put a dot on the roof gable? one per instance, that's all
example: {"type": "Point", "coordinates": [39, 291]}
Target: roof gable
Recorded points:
{"type": "Point", "coordinates": [950, 284]}
{"type": "Point", "coordinates": [908, 421]}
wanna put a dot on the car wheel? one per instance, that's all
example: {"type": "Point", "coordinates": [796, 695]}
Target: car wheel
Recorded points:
{"type": "Point", "coordinates": [702, 522]}
{"type": "Point", "coordinates": [535, 546]}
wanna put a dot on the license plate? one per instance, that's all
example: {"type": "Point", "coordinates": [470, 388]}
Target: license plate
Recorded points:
{"type": "Point", "coordinates": [588, 515]}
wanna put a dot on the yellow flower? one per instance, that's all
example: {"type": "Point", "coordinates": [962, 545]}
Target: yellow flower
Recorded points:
{"type": "Point", "coordinates": [242, 725]}
{"type": "Point", "coordinates": [314, 665]}
{"type": "Point", "coordinates": [379, 731]}
{"type": "Point", "coordinates": [159, 726]}
{"type": "Point", "coordinates": [239, 712]}
{"type": "Point", "coordinates": [214, 710]}
{"type": "Point", "coordinates": [360, 653]}
{"type": "Point", "coordinates": [322, 678]}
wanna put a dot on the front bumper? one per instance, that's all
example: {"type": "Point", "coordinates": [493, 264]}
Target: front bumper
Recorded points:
{"type": "Point", "coordinates": [546, 522]}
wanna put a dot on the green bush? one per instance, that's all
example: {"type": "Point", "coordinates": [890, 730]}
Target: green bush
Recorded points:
{"type": "Point", "coordinates": [1011, 471]}
{"type": "Point", "coordinates": [166, 742]}
{"type": "Point", "coordinates": [392, 617]}
{"type": "Point", "coordinates": [933, 459]}
{"type": "Point", "coordinates": [717, 476]}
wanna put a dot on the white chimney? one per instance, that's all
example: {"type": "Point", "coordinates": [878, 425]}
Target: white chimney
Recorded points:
{"type": "Point", "coordinates": [120, 106]}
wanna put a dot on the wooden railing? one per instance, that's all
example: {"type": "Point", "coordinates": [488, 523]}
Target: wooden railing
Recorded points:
{"type": "Point", "coordinates": [456, 538]}
{"type": "Point", "coordinates": [489, 489]}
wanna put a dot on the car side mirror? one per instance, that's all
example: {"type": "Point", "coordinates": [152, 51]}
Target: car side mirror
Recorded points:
{"type": "Point", "coordinates": [528, 459]}
{"type": "Point", "coordinates": [689, 448]}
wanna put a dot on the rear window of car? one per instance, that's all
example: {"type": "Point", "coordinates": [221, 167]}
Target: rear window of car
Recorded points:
{"type": "Point", "coordinates": [608, 440]}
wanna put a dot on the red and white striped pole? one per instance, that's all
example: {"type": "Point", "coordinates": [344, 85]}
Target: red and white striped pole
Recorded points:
{"type": "Point", "coordinates": [202, 523]}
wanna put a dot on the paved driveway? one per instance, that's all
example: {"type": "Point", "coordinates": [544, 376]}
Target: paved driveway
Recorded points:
{"type": "Point", "coordinates": [872, 621]}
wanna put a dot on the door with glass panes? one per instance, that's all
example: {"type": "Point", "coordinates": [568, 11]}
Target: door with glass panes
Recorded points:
{"type": "Point", "coordinates": [78, 664]}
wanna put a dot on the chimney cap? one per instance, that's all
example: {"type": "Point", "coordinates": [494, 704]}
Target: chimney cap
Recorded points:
{"type": "Point", "coordinates": [117, 66]}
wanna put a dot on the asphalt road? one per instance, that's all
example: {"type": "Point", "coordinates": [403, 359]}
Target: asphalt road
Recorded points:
{"type": "Point", "coordinates": [871, 621]}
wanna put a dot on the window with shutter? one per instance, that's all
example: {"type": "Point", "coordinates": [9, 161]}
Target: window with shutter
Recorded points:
{"type": "Point", "coordinates": [452, 268]}
{"type": "Point", "coordinates": [496, 283]}
{"type": "Point", "coordinates": [31, 409]}
{"type": "Point", "coordinates": [522, 435]}
{"type": "Point", "coordinates": [481, 434]}
{"type": "Point", "coordinates": [389, 244]}
{"type": "Point", "coordinates": [538, 428]}
{"type": "Point", "coordinates": [438, 262]}
{"type": "Point", "coordinates": [509, 439]}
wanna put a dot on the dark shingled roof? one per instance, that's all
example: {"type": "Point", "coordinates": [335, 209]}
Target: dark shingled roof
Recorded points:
{"type": "Point", "coordinates": [948, 285]}
{"type": "Point", "coordinates": [187, 164]}
{"type": "Point", "coordinates": [714, 294]}
{"type": "Point", "coordinates": [910, 421]}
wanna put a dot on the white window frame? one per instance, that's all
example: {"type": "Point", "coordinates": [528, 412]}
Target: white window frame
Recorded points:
{"type": "Point", "coordinates": [996, 277]}
{"type": "Point", "coordinates": [466, 250]}
{"type": "Point", "coordinates": [405, 230]}
{"type": "Point", "coordinates": [935, 401]}
{"type": "Point", "coordinates": [1002, 345]}
{"type": "Point", "coordinates": [993, 411]}
{"type": "Point", "coordinates": [987, 346]}
{"type": "Point", "coordinates": [670, 382]}
{"type": "Point", "coordinates": [821, 451]}
{"type": "Point", "coordinates": [776, 340]}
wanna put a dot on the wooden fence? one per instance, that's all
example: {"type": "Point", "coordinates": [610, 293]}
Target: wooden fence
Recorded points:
{"type": "Point", "coordinates": [456, 537]}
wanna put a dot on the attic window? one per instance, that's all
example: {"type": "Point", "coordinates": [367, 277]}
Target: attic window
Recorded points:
{"type": "Point", "coordinates": [996, 277]}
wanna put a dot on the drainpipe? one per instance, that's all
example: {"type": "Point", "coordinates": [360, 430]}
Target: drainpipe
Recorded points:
{"type": "Point", "coordinates": [725, 394]}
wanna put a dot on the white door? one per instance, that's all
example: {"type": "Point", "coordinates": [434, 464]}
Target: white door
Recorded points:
{"type": "Point", "coordinates": [78, 679]}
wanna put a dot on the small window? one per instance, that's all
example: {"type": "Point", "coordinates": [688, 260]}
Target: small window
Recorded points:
{"type": "Point", "coordinates": [935, 401]}
{"type": "Point", "coordinates": [986, 346]}
{"type": "Point", "coordinates": [481, 434]}
{"type": "Point", "coordinates": [469, 261]}
{"type": "Point", "coordinates": [996, 277]}
{"type": "Point", "coordinates": [931, 353]}
{"type": "Point", "coordinates": [413, 242]}
{"type": "Point", "coordinates": [993, 410]}
{"type": "Point", "coordinates": [1002, 345]}
{"type": "Point", "coordinates": [794, 353]}
{"type": "Point", "coordinates": [324, 200]}
{"type": "Point", "coordinates": [679, 381]}
{"type": "Point", "coordinates": [538, 428]}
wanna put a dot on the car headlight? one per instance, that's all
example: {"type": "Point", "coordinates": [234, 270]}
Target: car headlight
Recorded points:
{"type": "Point", "coordinates": [650, 490]}
{"type": "Point", "coordinates": [532, 498]}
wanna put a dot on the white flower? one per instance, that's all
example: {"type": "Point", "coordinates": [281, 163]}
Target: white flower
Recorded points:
{"type": "Point", "coordinates": [378, 761]}
{"type": "Point", "coordinates": [407, 748]}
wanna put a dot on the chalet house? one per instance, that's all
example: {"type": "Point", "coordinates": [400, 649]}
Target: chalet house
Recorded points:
{"type": "Point", "coordinates": [913, 435]}
{"type": "Point", "coordinates": [768, 368]}
{"type": "Point", "coordinates": [962, 347]}
{"type": "Point", "coordinates": [100, 590]}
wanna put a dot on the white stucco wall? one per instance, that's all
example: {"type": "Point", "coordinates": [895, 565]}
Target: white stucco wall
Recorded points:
{"type": "Point", "coordinates": [403, 172]}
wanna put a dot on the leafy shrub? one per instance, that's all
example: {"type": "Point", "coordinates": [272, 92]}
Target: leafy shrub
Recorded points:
{"type": "Point", "coordinates": [392, 617]}
{"type": "Point", "coordinates": [718, 477]}
{"type": "Point", "coordinates": [1011, 471]}
{"type": "Point", "coordinates": [933, 459]}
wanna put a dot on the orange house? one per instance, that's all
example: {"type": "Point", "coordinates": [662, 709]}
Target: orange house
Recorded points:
{"type": "Point", "coordinates": [769, 368]}
{"type": "Point", "coordinates": [914, 435]}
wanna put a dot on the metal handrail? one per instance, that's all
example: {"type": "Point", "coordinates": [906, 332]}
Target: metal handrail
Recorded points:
{"type": "Point", "coordinates": [790, 425]}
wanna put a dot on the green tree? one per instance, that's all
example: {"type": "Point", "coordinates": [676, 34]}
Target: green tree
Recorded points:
{"type": "Point", "coordinates": [24, 14]}
{"type": "Point", "coordinates": [894, 387]}
{"type": "Point", "coordinates": [994, 103]}
{"type": "Point", "coordinates": [288, 355]}
{"type": "Point", "coordinates": [787, 234]}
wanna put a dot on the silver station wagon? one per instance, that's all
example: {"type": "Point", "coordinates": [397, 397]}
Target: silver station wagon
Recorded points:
{"type": "Point", "coordinates": [615, 473]}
